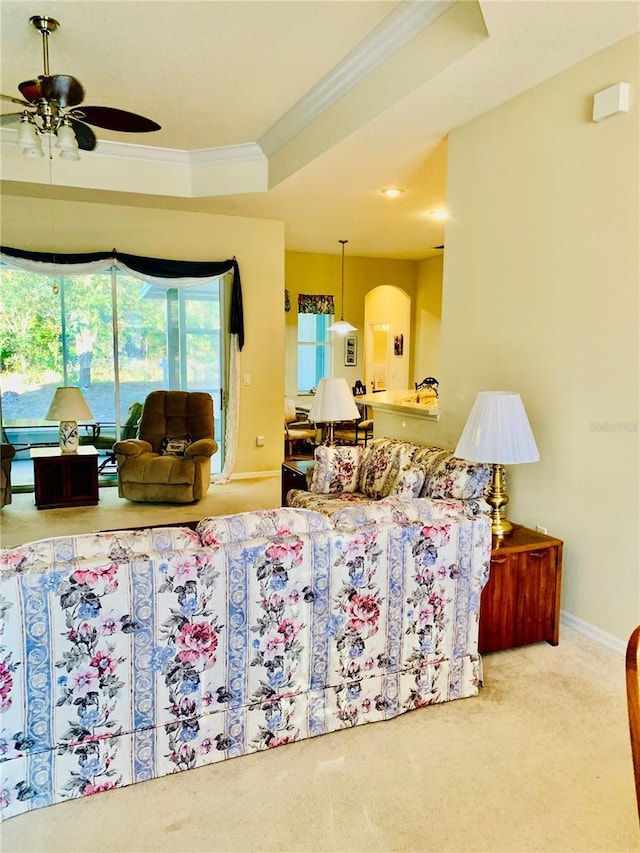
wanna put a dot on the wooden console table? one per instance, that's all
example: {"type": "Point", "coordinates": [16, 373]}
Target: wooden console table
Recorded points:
{"type": "Point", "coordinates": [521, 602]}
{"type": "Point", "coordinates": [65, 479]}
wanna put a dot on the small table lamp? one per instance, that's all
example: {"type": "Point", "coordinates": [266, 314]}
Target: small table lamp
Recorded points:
{"type": "Point", "coordinates": [68, 406]}
{"type": "Point", "coordinates": [333, 402]}
{"type": "Point", "coordinates": [498, 432]}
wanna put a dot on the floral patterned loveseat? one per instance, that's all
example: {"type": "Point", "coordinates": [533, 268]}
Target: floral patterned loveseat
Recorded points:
{"type": "Point", "coordinates": [134, 654]}
{"type": "Point", "coordinates": [388, 467]}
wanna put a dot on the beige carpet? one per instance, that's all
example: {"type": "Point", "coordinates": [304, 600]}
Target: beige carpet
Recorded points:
{"type": "Point", "coordinates": [21, 522]}
{"type": "Point", "coordinates": [540, 761]}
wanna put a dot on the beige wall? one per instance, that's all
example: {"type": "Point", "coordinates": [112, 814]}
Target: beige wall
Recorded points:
{"type": "Point", "coordinates": [306, 272]}
{"type": "Point", "coordinates": [541, 296]}
{"type": "Point", "coordinates": [428, 317]}
{"type": "Point", "coordinates": [44, 225]}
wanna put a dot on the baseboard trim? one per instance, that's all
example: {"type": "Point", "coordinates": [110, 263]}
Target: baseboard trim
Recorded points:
{"type": "Point", "coordinates": [255, 475]}
{"type": "Point", "coordinates": [589, 630]}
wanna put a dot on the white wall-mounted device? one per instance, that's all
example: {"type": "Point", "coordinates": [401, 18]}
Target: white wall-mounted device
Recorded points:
{"type": "Point", "coordinates": [611, 101]}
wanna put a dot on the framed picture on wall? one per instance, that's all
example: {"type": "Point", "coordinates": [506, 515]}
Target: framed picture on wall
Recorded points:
{"type": "Point", "coordinates": [398, 344]}
{"type": "Point", "coordinates": [351, 351]}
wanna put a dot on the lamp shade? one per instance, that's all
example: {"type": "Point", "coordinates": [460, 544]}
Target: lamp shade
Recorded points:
{"type": "Point", "coordinates": [333, 402]}
{"type": "Point", "coordinates": [68, 404]}
{"type": "Point", "coordinates": [497, 431]}
{"type": "Point", "coordinates": [342, 327]}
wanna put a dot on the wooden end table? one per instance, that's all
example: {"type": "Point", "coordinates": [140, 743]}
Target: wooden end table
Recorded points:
{"type": "Point", "coordinates": [521, 602]}
{"type": "Point", "coordinates": [294, 476]}
{"type": "Point", "coordinates": [65, 479]}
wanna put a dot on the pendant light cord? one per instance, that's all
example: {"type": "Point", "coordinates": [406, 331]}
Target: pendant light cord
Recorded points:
{"type": "Point", "coordinates": [342, 289]}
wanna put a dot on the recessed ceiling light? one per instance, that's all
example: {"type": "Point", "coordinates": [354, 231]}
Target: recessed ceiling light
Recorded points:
{"type": "Point", "coordinates": [392, 192]}
{"type": "Point", "coordinates": [438, 214]}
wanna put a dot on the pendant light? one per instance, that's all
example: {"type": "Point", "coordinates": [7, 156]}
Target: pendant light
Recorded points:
{"type": "Point", "coordinates": [341, 327]}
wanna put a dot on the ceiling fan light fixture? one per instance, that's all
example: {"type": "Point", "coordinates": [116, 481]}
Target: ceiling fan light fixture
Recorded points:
{"type": "Point", "coordinates": [27, 133]}
{"type": "Point", "coordinates": [67, 141]}
{"type": "Point", "coordinates": [29, 138]}
{"type": "Point", "coordinates": [341, 326]}
{"type": "Point", "coordinates": [34, 151]}
{"type": "Point", "coordinates": [53, 99]}
{"type": "Point", "coordinates": [70, 154]}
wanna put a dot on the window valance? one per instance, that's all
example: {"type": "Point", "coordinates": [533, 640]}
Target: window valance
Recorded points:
{"type": "Point", "coordinates": [160, 269]}
{"type": "Point", "coordinates": [315, 303]}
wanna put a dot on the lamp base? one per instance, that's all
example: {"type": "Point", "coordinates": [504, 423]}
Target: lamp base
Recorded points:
{"type": "Point", "coordinates": [330, 438]}
{"type": "Point", "coordinates": [69, 436]}
{"type": "Point", "coordinates": [497, 498]}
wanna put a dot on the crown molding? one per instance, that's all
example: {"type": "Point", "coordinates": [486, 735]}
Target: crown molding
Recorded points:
{"type": "Point", "coordinates": [245, 152]}
{"type": "Point", "coordinates": [228, 170]}
{"type": "Point", "coordinates": [397, 30]}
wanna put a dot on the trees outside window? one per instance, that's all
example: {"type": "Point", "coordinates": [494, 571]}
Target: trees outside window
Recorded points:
{"type": "Point", "coordinates": [60, 330]}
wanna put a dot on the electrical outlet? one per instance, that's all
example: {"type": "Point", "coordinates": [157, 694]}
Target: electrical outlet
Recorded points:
{"type": "Point", "coordinates": [259, 441]}
{"type": "Point", "coordinates": [541, 529]}
{"type": "Point", "coordinates": [247, 379]}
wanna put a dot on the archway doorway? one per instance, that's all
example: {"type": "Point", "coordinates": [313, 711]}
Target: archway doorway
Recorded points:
{"type": "Point", "coordinates": [387, 321]}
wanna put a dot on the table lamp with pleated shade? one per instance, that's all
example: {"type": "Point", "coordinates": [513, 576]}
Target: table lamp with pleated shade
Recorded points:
{"type": "Point", "coordinates": [497, 432]}
{"type": "Point", "coordinates": [333, 402]}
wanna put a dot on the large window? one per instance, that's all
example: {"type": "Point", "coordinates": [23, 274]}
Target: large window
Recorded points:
{"type": "Point", "coordinates": [314, 350]}
{"type": "Point", "coordinates": [114, 335]}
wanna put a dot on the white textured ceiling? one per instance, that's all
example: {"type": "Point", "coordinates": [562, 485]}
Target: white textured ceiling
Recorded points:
{"type": "Point", "coordinates": [219, 74]}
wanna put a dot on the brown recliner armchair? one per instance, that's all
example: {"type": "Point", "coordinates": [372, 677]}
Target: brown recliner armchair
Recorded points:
{"type": "Point", "coordinates": [170, 462]}
{"type": "Point", "coordinates": [7, 452]}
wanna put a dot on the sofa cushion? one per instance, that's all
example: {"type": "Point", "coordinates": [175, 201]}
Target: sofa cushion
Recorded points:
{"type": "Point", "coordinates": [224, 529]}
{"type": "Point", "coordinates": [395, 510]}
{"type": "Point", "coordinates": [409, 483]}
{"type": "Point", "coordinates": [336, 469]}
{"type": "Point", "coordinates": [382, 462]}
{"type": "Point", "coordinates": [428, 458]}
{"type": "Point", "coordinates": [152, 468]}
{"type": "Point", "coordinates": [114, 546]}
{"type": "Point", "coordinates": [458, 479]}
{"type": "Point", "coordinates": [325, 504]}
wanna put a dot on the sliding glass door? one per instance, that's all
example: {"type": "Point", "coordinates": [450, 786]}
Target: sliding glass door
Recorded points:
{"type": "Point", "coordinates": [115, 336]}
{"type": "Point", "coordinates": [170, 337]}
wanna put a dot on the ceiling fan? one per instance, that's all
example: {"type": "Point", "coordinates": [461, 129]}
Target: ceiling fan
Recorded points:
{"type": "Point", "coordinates": [51, 102]}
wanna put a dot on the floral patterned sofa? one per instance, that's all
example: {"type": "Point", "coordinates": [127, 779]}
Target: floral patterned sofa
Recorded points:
{"type": "Point", "coordinates": [390, 468]}
{"type": "Point", "coordinates": [134, 654]}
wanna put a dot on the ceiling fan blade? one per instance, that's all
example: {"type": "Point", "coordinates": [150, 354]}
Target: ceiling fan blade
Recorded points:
{"type": "Point", "coordinates": [63, 88]}
{"type": "Point", "coordinates": [15, 100]}
{"type": "Point", "coordinates": [112, 119]}
{"type": "Point", "coordinates": [31, 89]}
{"type": "Point", "coordinates": [67, 91]}
{"type": "Point", "coordinates": [10, 118]}
{"type": "Point", "coordinates": [85, 136]}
